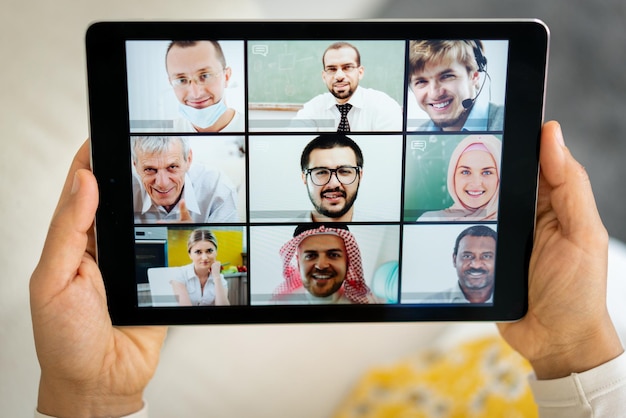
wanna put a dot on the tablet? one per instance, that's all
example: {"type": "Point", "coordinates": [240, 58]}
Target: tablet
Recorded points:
{"type": "Point", "coordinates": [295, 172]}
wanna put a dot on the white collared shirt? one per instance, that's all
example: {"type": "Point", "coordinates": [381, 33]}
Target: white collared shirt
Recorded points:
{"type": "Point", "coordinates": [208, 194]}
{"type": "Point", "coordinates": [198, 296]}
{"type": "Point", "coordinates": [452, 295]}
{"type": "Point", "coordinates": [237, 124]}
{"type": "Point", "coordinates": [372, 110]}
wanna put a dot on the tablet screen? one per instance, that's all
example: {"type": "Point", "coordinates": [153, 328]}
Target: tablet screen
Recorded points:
{"type": "Point", "coordinates": [275, 172]}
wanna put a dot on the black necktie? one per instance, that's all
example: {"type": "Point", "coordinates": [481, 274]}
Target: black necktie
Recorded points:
{"type": "Point", "coordinates": [344, 126]}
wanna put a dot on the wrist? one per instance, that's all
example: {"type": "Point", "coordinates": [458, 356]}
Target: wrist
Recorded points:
{"type": "Point", "coordinates": [586, 354]}
{"type": "Point", "coordinates": [71, 399]}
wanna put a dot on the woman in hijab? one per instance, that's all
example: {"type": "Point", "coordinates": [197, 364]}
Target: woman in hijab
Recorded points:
{"type": "Point", "coordinates": [473, 181]}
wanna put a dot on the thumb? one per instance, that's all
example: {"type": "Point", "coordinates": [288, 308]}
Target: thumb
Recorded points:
{"type": "Point", "coordinates": [553, 156]}
{"type": "Point", "coordinates": [68, 235]}
{"type": "Point", "coordinates": [571, 196]}
{"type": "Point", "coordinates": [185, 216]}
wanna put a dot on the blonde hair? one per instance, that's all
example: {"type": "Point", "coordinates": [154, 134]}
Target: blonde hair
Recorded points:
{"type": "Point", "coordinates": [425, 52]}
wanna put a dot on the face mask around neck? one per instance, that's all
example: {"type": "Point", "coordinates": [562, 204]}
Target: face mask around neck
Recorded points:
{"type": "Point", "coordinates": [203, 118]}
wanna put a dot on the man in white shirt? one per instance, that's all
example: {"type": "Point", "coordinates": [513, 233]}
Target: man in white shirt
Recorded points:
{"type": "Point", "coordinates": [347, 106]}
{"type": "Point", "coordinates": [567, 334]}
{"type": "Point", "coordinates": [198, 74]}
{"type": "Point", "coordinates": [473, 258]}
{"type": "Point", "coordinates": [169, 188]}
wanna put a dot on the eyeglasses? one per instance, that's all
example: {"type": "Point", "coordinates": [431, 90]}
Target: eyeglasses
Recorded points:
{"type": "Point", "coordinates": [320, 176]}
{"type": "Point", "coordinates": [201, 79]}
{"type": "Point", "coordinates": [346, 69]}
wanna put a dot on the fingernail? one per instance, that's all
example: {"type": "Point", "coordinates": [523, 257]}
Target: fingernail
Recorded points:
{"type": "Point", "coordinates": [558, 133]}
{"type": "Point", "coordinates": [75, 184]}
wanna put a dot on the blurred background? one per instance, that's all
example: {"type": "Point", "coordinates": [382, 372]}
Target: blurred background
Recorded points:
{"type": "Point", "coordinates": [586, 80]}
{"type": "Point", "coordinates": [43, 121]}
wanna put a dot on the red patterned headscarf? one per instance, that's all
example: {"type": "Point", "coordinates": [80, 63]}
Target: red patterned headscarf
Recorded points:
{"type": "Point", "coordinates": [354, 286]}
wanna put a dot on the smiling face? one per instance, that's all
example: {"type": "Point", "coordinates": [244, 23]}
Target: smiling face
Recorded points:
{"type": "Point", "coordinates": [341, 73]}
{"type": "Point", "coordinates": [440, 89]}
{"type": "Point", "coordinates": [333, 200]}
{"type": "Point", "coordinates": [474, 263]}
{"type": "Point", "coordinates": [163, 174]}
{"type": "Point", "coordinates": [475, 179]}
{"type": "Point", "coordinates": [203, 255]}
{"type": "Point", "coordinates": [323, 264]}
{"type": "Point", "coordinates": [193, 63]}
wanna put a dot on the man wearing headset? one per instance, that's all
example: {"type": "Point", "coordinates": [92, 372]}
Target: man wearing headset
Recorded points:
{"type": "Point", "coordinates": [445, 78]}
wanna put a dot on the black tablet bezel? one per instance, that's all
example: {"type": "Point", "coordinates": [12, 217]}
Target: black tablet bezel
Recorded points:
{"type": "Point", "coordinates": [109, 125]}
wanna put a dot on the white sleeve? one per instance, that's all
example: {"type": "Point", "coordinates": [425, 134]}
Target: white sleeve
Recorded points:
{"type": "Point", "coordinates": [142, 413]}
{"type": "Point", "coordinates": [599, 392]}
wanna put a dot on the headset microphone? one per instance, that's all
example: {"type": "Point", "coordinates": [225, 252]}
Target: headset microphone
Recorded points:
{"type": "Point", "coordinates": [481, 60]}
{"type": "Point", "coordinates": [467, 103]}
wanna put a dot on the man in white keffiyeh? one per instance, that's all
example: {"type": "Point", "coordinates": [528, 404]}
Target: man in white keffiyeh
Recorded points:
{"type": "Point", "coordinates": [322, 264]}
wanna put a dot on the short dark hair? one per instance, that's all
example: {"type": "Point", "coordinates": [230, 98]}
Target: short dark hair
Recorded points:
{"type": "Point", "coordinates": [189, 44]}
{"type": "Point", "coordinates": [475, 231]}
{"type": "Point", "coordinates": [328, 141]}
{"type": "Point", "coordinates": [339, 45]}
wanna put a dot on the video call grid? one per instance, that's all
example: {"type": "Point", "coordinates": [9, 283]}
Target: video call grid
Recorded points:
{"type": "Point", "coordinates": [405, 134]}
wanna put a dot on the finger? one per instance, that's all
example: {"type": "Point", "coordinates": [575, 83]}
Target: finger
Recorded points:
{"type": "Point", "coordinates": [80, 161]}
{"type": "Point", "coordinates": [185, 216]}
{"type": "Point", "coordinates": [68, 235]}
{"type": "Point", "coordinates": [552, 155]}
{"type": "Point", "coordinates": [571, 196]}
{"type": "Point", "coordinates": [216, 268]}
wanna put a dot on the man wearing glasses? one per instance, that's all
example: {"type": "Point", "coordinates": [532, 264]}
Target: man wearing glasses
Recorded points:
{"type": "Point", "coordinates": [332, 168]}
{"type": "Point", "coordinates": [198, 73]}
{"type": "Point", "coordinates": [347, 107]}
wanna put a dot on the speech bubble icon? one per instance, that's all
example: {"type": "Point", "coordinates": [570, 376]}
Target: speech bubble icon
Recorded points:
{"type": "Point", "coordinates": [418, 145]}
{"type": "Point", "coordinates": [262, 146]}
{"type": "Point", "coordinates": [260, 50]}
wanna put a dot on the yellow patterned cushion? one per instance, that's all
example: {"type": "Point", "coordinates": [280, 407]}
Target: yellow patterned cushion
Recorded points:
{"type": "Point", "coordinates": [481, 378]}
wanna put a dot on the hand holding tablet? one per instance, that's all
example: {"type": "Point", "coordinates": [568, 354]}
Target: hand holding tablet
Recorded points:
{"type": "Point", "coordinates": [567, 323]}
{"type": "Point", "coordinates": [407, 159]}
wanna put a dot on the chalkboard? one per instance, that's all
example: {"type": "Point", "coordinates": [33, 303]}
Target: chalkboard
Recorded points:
{"type": "Point", "coordinates": [426, 175]}
{"type": "Point", "coordinates": [290, 72]}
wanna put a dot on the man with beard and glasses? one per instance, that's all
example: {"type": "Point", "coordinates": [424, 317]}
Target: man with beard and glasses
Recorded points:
{"type": "Point", "coordinates": [347, 106]}
{"type": "Point", "coordinates": [474, 258]}
{"type": "Point", "coordinates": [332, 168]}
{"type": "Point", "coordinates": [322, 265]}
{"type": "Point", "coordinates": [445, 78]}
